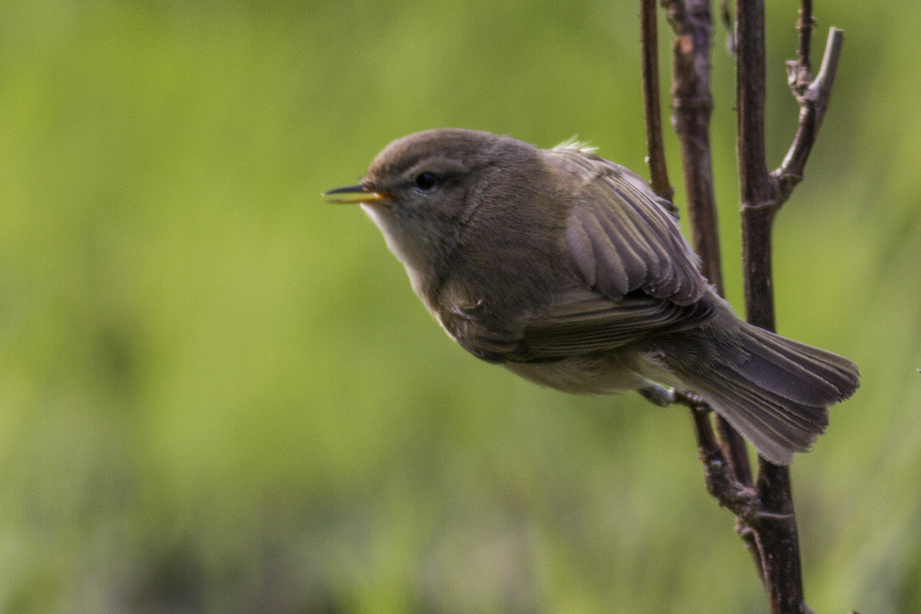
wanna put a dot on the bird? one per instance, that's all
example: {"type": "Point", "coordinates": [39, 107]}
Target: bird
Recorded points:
{"type": "Point", "coordinates": [569, 271]}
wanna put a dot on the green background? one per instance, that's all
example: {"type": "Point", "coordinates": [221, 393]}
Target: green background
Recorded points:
{"type": "Point", "coordinates": [218, 394]}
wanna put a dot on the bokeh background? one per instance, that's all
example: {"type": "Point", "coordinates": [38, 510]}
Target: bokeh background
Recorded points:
{"type": "Point", "coordinates": [218, 394]}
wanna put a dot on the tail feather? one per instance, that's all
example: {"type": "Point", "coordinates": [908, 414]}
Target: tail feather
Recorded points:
{"type": "Point", "coordinates": [807, 374]}
{"type": "Point", "coordinates": [778, 395]}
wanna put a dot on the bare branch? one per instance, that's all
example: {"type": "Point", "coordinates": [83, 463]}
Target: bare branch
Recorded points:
{"type": "Point", "coordinates": [804, 29]}
{"type": "Point", "coordinates": [813, 97]}
{"type": "Point", "coordinates": [691, 106]}
{"type": "Point", "coordinates": [755, 185]}
{"type": "Point", "coordinates": [761, 196]}
{"type": "Point", "coordinates": [765, 518]}
{"type": "Point", "coordinates": [719, 474]}
{"type": "Point", "coordinates": [651, 110]}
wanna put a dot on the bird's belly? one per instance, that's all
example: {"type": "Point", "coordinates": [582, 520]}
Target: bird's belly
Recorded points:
{"type": "Point", "coordinates": [604, 373]}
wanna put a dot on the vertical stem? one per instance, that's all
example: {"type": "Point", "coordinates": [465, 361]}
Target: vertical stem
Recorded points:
{"type": "Point", "coordinates": [804, 30]}
{"type": "Point", "coordinates": [753, 174]}
{"type": "Point", "coordinates": [765, 515]}
{"type": "Point", "coordinates": [754, 180]}
{"type": "Point", "coordinates": [776, 533]}
{"type": "Point", "coordinates": [692, 104]}
{"type": "Point", "coordinates": [778, 540]}
{"type": "Point", "coordinates": [757, 287]}
{"type": "Point", "coordinates": [652, 112]}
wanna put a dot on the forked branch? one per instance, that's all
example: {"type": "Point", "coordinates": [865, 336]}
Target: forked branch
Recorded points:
{"type": "Point", "coordinates": [764, 511]}
{"type": "Point", "coordinates": [813, 97]}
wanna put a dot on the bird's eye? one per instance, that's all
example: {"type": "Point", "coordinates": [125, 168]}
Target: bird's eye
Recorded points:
{"type": "Point", "coordinates": [427, 181]}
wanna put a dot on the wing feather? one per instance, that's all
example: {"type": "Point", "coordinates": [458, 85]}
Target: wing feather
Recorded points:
{"type": "Point", "coordinates": [590, 322]}
{"type": "Point", "coordinates": [582, 321]}
{"type": "Point", "coordinates": [634, 275]}
{"type": "Point", "coordinates": [638, 237]}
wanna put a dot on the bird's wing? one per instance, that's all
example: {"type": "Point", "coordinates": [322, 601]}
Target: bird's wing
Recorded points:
{"type": "Point", "coordinates": [633, 275]}
{"type": "Point", "coordinates": [638, 275]}
{"type": "Point", "coordinates": [621, 237]}
{"type": "Point", "coordinates": [578, 321]}
{"type": "Point", "coordinates": [594, 323]}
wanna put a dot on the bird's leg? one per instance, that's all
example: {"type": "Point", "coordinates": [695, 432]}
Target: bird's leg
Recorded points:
{"type": "Point", "coordinates": [660, 395]}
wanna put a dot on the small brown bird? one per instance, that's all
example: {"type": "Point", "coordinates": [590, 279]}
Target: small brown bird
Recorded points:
{"type": "Point", "coordinates": [569, 271]}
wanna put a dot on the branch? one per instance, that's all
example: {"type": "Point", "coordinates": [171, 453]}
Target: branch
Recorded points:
{"type": "Point", "coordinates": [804, 29]}
{"type": "Point", "coordinates": [813, 97]}
{"type": "Point", "coordinates": [692, 103]}
{"type": "Point", "coordinates": [719, 475]}
{"type": "Point", "coordinates": [651, 111]}
{"type": "Point", "coordinates": [777, 542]}
{"type": "Point", "coordinates": [741, 500]}
{"type": "Point", "coordinates": [764, 511]}
{"type": "Point", "coordinates": [761, 196]}
{"type": "Point", "coordinates": [691, 106]}
{"type": "Point", "coordinates": [728, 473]}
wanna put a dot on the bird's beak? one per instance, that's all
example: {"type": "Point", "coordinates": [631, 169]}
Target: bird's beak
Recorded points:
{"type": "Point", "coordinates": [354, 194]}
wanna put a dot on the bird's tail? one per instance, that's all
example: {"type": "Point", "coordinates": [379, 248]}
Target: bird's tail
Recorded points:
{"type": "Point", "coordinates": [777, 395]}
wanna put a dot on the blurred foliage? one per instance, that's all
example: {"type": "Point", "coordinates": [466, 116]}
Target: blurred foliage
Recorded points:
{"type": "Point", "coordinates": [218, 394]}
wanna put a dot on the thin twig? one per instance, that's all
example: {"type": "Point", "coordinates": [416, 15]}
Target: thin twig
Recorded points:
{"type": "Point", "coordinates": [813, 98]}
{"type": "Point", "coordinates": [655, 145]}
{"type": "Point", "coordinates": [719, 474]}
{"type": "Point", "coordinates": [804, 31]}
